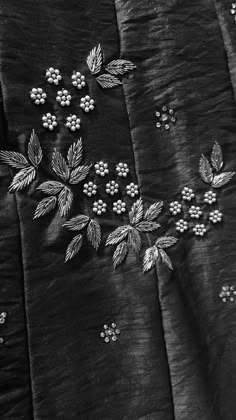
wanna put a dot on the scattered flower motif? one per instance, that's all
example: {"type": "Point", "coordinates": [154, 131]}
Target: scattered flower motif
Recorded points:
{"type": "Point", "coordinates": [38, 96]}
{"type": "Point", "coordinates": [110, 333]}
{"type": "Point", "coordinates": [187, 194]}
{"type": "Point", "coordinates": [73, 122]}
{"type": "Point", "coordinates": [3, 316]}
{"type": "Point", "coordinates": [199, 229]}
{"type": "Point", "coordinates": [165, 117]}
{"type": "Point", "coordinates": [28, 168]}
{"type": "Point", "coordinates": [175, 207]}
{"type": "Point", "coordinates": [209, 197]}
{"type": "Point", "coordinates": [112, 188]}
{"type": "Point", "coordinates": [68, 171]}
{"type": "Point", "coordinates": [215, 216]}
{"type": "Point", "coordinates": [90, 189]}
{"type": "Point", "coordinates": [122, 169]}
{"type": "Point", "coordinates": [101, 168]}
{"type": "Point", "coordinates": [78, 80]}
{"type": "Point", "coordinates": [181, 225]}
{"type": "Point", "coordinates": [195, 212]}
{"type": "Point", "coordinates": [119, 207]}
{"type": "Point", "coordinates": [63, 97]}
{"type": "Point", "coordinates": [53, 76]}
{"type": "Point", "coordinates": [78, 224]}
{"type": "Point", "coordinates": [210, 170]}
{"type": "Point", "coordinates": [99, 207]}
{"type": "Point", "coordinates": [233, 10]}
{"type": "Point", "coordinates": [114, 68]}
{"type": "Point", "coordinates": [228, 293]}
{"type": "Point", "coordinates": [132, 190]}
{"type": "Point", "coordinates": [87, 104]}
{"type": "Point", "coordinates": [49, 121]}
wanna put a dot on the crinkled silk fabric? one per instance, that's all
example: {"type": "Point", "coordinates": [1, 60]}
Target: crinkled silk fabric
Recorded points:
{"type": "Point", "coordinates": [175, 357]}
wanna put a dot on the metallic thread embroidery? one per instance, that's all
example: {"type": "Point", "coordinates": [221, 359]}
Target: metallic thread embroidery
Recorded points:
{"type": "Point", "coordinates": [28, 168]}
{"type": "Point", "coordinates": [110, 333]}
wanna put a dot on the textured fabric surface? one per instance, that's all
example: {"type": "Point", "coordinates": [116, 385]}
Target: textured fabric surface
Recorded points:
{"type": "Point", "coordinates": [175, 357]}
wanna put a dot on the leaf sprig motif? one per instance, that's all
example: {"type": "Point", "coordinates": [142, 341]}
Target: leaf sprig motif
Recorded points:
{"type": "Point", "coordinates": [93, 233]}
{"type": "Point", "coordinates": [114, 68]}
{"type": "Point", "coordinates": [28, 168]}
{"type": "Point", "coordinates": [210, 171]}
{"type": "Point", "coordinates": [128, 237]}
{"type": "Point", "coordinates": [70, 172]}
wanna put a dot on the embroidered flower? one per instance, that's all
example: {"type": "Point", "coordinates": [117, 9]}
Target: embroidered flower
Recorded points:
{"type": "Point", "coordinates": [87, 104]}
{"type": "Point", "coordinates": [69, 172]}
{"type": "Point", "coordinates": [90, 189]}
{"type": "Point", "coordinates": [215, 216]}
{"type": "Point", "coordinates": [122, 169]}
{"type": "Point", "coordinates": [175, 207]}
{"type": "Point", "coordinates": [99, 207]}
{"type": "Point", "coordinates": [165, 117]}
{"type": "Point", "coordinates": [63, 97]}
{"type": "Point", "coordinates": [199, 229]}
{"type": "Point", "coordinates": [195, 212]}
{"type": "Point", "coordinates": [112, 188]}
{"type": "Point", "coordinates": [210, 197]}
{"type": "Point", "coordinates": [110, 333]}
{"type": "Point", "coordinates": [73, 122]}
{"type": "Point", "coordinates": [181, 225]}
{"type": "Point", "coordinates": [132, 190]}
{"type": "Point", "coordinates": [53, 76]}
{"type": "Point", "coordinates": [228, 293]}
{"type": "Point", "coordinates": [49, 121]}
{"type": "Point", "coordinates": [38, 96]}
{"type": "Point", "coordinates": [101, 168]}
{"type": "Point", "coordinates": [78, 80]}
{"type": "Point", "coordinates": [28, 168]}
{"type": "Point", "coordinates": [119, 207]}
{"type": "Point", "coordinates": [187, 194]}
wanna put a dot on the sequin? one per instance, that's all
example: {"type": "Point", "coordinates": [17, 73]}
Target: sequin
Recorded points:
{"type": "Point", "coordinates": [228, 293]}
{"type": "Point", "coordinates": [165, 118]}
{"type": "Point", "coordinates": [63, 97]}
{"type": "Point", "coordinates": [38, 96]}
{"type": "Point", "coordinates": [53, 76]}
{"type": "Point", "coordinates": [110, 333]}
{"type": "Point", "coordinates": [49, 121]}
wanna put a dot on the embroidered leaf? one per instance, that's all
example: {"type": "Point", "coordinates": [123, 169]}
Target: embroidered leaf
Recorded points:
{"type": "Point", "coordinates": [74, 247]}
{"type": "Point", "coordinates": [78, 174]}
{"type": "Point", "coordinates": [118, 235]}
{"type": "Point", "coordinates": [134, 240]}
{"type": "Point", "coordinates": [217, 157]}
{"type": "Point", "coordinates": [94, 60]}
{"type": "Point", "coordinates": [120, 253]}
{"type": "Point", "coordinates": [14, 159]}
{"type": "Point", "coordinates": [23, 179]}
{"type": "Point", "coordinates": [35, 153]}
{"type": "Point", "coordinates": [108, 81]}
{"type": "Point", "coordinates": [65, 200]}
{"type": "Point", "coordinates": [205, 170]}
{"type": "Point", "coordinates": [45, 206]}
{"type": "Point", "coordinates": [51, 187]}
{"type": "Point", "coordinates": [94, 233]}
{"type": "Point", "coordinates": [77, 223]}
{"type": "Point", "coordinates": [120, 66]}
{"type": "Point", "coordinates": [166, 259]}
{"type": "Point", "coordinates": [59, 166]}
{"type": "Point", "coordinates": [136, 213]}
{"type": "Point", "coordinates": [146, 226]}
{"type": "Point", "coordinates": [153, 211]}
{"type": "Point", "coordinates": [74, 154]}
{"type": "Point", "coordinates": [166, 241]}
{"type": "Point", "coordinates": [150, 258]}
{"type": "Point", "coordinates": [222, 179]}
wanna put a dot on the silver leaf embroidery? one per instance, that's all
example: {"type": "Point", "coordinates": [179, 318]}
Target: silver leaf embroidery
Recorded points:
{"type": "Point", "coordinates": [74, 247]}
{"type": "Point", "coordinates": [14, 159]}
{"type": "Point", "coordinates": [94, 60]}
{"type": "Point", "coordinates": [51, 187]}
{"type": "Point", "coordinates": [23, 179]}
{"type": "Point", "coordinates": [120, 253]}
{"type": "Point", "coordinates": [77, 223]}
{"type": "Point", "coordinates": [45, 206]}
{"type": "Point", "coordinates": [107, 81]}
{"type": "Point", "coordinates": [146, 226]}
{"type": "Point", "coordinates": [60, 166]}
{"type": "Point", "coordinates": [217, 157]}
{"type": "Point", "coordinates": [156, 252]}
{"type": "Point", "coordinates": [78, 174]}
{"type": "Point", "coordinates": [205, 170]}
{"type": "Point", "coordinates": [136, 213]}
{"type": "Point", "coordinates": [153, 211]}
{"type": "Point", "coordinates": [134, 240]}
{"type": "Point", "coordinates": [120, 66]}
{"type": "Point", "coordinates": [65, 200]}
{"type": "Point", "coordinates": [75, 154]}
{"type": "Point", "coordinates": [34, 150]}
{"type": "Point", "coordinates": [94, 233]}
{"type": "Point", "coordinates": [150, 258]}
{"type": "Point", "coordinates": [221, 179]}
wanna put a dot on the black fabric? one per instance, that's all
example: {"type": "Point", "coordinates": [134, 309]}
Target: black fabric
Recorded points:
{"type": "Point", "coordinates": [175, 357]}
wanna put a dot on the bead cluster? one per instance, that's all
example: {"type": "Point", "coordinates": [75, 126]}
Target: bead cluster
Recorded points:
{"type": "Point", "coordinates": [110, 333]}
{"type": "Point", "coordinates": [38, 96]}
{"type": "Point", "coordinates": [195, 212]}
{"type": "Point", "coordinates": [90, 189]}
{"type": "Point", "coordinates": [73, 122]}
{"type": "Point", "coordinates": [78, 80]}
{"type": "Point", "coordinates": [200, 229]}
{"type": "Point", "coordinates": [49, 121]}
{"type": "Point", "coordinates": [63, 97]}
{"type": "Point", "coordinates": [175, 207]}
{"type": "Point", "coordinates": [99, 207]}
{"type": "Point", "coordinates": [132, 190]}
{"type": "Point", "coordinates": [210, 197]}
{"type": "Point", "coordinates": [215, 216]}
{"type": "Point", "coordinates": [119, 207]}
{"type": "Point", "coordinates": [3, 317]}
{"type": "Point", "coordinates": [228, 293]}
{"type": "Point", "coordinates": [187, 194]}
{"type": "Point", "coordinates": [165, 117]}
{"type": "Point", "coordinates": [122, 169]}
{"type": "Point", "coordinates": [53, 76]}
{"type": "Point", "coordinates": [181, 225]}
{"type": "Point", "coordinates": [87, 104]}
{"type": "Point", "coordinates": [112, 188]}
{"type": "Point", "coordinates": [101, 168]}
